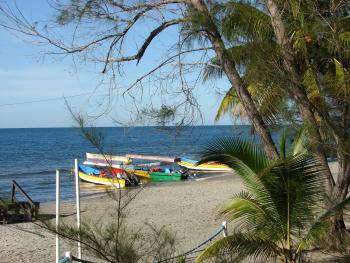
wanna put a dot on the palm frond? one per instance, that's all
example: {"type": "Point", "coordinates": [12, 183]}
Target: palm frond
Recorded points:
{"type": "Point", "coordinates": [283, 142]}
{"type": "Point", "coordinates": [295, 186]}
{"type": "Point", "coordinates": [230, 103]}
{"type": "Point", "coordinates": [253, 215]}
{"type": "Point", "coordinates": [310, 82]}
{"type": "Point", "coordinates": [299, 144]}
{"type": "Point", "coordinates": [225, 150]}
{"type": "Point", "coordinates": [241, 246]}
{"type": "Point", "coordinates": [212, 70]}
{"type": "Point", "coordinates": [299, 45]}
{"type": "Point", "coordinates": [243, 19]}
{"type": "Point", "coordinates": [320, 226]}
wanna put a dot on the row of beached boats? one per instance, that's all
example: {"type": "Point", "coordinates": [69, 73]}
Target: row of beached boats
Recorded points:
{"type": "Point", "coordinates": [120, 171]}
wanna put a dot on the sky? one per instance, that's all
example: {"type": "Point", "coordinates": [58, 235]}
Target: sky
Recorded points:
{"type": "Point", "coordinates": [34, 85]}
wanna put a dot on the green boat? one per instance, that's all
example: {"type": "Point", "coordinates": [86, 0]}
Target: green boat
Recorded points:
{"type": "Point", "coordinates": [165, 177]}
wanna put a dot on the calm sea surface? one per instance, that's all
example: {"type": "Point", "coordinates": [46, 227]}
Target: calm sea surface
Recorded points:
{"type": "Point", "coordinates": [31, 156]}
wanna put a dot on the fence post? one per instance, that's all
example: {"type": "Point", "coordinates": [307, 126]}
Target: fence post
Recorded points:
{"type": "Point", "coordinates": [77, 193]}
{"type": "Point", "coordinates": [13, 192]}
{"type": "Point", "coordinates": [67, 254]}
{"type": "Point", "coordinates": [57, 214]}
{"type": "Point", "coordinates": [224, 225]}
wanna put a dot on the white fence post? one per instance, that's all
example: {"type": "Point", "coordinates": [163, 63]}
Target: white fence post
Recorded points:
{"type": "Point", "coordinates": [77, 194]}
{"type": "Point", "coordinates": [57, 214]}
{"type": "Point", "coordinates": [224, 233]}
{"type": "Point", "coordinates": [67, 254]}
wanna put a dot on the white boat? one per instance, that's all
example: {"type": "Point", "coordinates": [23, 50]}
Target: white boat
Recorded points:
{"type": "Point", "coordinates": [150, 158]}
{"type": "Point", "coordinates": [107, 160]}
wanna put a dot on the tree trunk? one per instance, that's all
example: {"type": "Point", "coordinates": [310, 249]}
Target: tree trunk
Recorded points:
{"type": "Point", "coordinates": [308, 117]}
{"type": "Point", "coordinates": [298, 91]}
{"type": "Point", "coordinates": [341, 189]}
{"type": "Point", "coordinates": [229, 68]}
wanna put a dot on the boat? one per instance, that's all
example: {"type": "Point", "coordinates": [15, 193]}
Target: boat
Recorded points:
{"type": "Point", "coordinates": [108, 160]}
{"type": "Point", "coordinates": [165, 177]}
{"type": "Point", "coordinates": [157, 174]}
{"type": "Point", "coordinates": [206, 167]}
{"type": "Point", "coordinates": [140, 173]}
{"type": "Point", "coordinates": [150, 171]}
{"type": "Point", "coordinates": [151, 158]}
{"type": "Point", "coordinates": [153, 171]}
{"type": "Point", "coordinates": [91, 175]}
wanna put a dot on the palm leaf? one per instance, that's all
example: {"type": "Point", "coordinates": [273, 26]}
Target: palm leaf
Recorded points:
{"type": "Point", "coordinates": [299, 44]}
{"type": "Point", "coordinates": [319, 228]}
{"type": "Point", "coordinates": [240, 246]}
{"type": "Point", "coordinates": [244, 19]}
{"type": "Point", "coordinates": [253, 216]}
{"type": "Point", "coordinates": [310, 82]}
{"type": "Point", "coordinates": [296, 181]}
{"type": "Point", "coordinates": [299, 145]}
{"type": "Point", "coordinates": [283, 141]}
{"type": "Point", "coordinates": [230, 149]}
{"type": "Point", "coordinates": [212, 70]}
{"type": "Point", "coordinates": [231, 103]}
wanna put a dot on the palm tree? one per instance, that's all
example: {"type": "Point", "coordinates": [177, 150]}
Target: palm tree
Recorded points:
{"type": "Point", "coordinates": [317, 43]}
{"type": "Point", "coordinates": [279, 215]}
{"type": "Point", "coordinates": [253, 47]}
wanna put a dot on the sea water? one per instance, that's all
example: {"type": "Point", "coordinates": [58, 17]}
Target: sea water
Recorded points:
{"type": "Point", "coordinates": [31, 156]}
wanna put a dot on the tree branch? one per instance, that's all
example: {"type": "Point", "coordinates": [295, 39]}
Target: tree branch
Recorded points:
{"type": "Point", "coordinates": [165, 62]}
{"type": "Point", "coordinates": [127, 8]}
{"type": "Point", "coordinates": [144, 46]}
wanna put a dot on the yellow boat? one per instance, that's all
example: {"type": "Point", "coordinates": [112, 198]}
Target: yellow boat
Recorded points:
{"type": "Point", "coordinates": [115, 182]}
{"type": "Point", "coordinates": [140, 173]}
{"type": "Point", "coordinates": [206, 167]}
{"type": "Point", "coordinates": [91, 175]}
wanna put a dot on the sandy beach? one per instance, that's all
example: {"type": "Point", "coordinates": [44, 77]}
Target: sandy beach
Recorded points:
{"type": "Point", "coordinates": [188, 209]}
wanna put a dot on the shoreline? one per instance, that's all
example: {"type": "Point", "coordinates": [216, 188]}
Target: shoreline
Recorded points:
{"type": "Point", "coordinates": [187, 209]}
{"type": "Point", "coordinates": [86, 195]}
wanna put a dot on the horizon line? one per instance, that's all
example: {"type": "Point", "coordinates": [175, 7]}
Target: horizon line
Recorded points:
{"type": "Point", "coordinates": [127, 126]}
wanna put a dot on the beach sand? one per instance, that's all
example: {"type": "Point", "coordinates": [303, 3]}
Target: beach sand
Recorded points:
{"type": "Point", "coordinates": [187, 209]}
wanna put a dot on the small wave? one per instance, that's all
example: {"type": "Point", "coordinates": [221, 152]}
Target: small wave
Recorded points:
{"type": "Point", "coordinates": [42, 172]}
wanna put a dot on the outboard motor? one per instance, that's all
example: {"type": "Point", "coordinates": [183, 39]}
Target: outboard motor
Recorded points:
{"type": "Point", "coordinates": [185, 174]}
{"type": "Point", "coordinates": [134, 179]}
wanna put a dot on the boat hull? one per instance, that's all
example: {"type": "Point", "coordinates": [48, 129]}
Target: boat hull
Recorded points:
{"type": "Point", "coordinates": [205, 167]}
{"type": "Point", "coordinates": [107, 159]}
{"type": "Point", "coordinates": [115, 182]}
{"type": "Point", "coordinates": [165, 177]}
{"type": "Point", "coordinates": [139, 173]}
{"type": "Point", "coordinates": [158, 176]}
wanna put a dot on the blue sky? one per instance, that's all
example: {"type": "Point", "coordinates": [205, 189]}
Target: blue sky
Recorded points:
{"type": "Point", "coordinates": [26, 76]}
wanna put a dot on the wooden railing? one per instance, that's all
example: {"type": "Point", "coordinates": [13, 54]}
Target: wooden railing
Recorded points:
{"type": "Point", "coordinates": [29, 206]}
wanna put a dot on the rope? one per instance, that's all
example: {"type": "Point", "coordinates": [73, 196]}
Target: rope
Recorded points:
{"type": "Point", "coordinates": [191, 251]}
{"type": "Point", "coordinates": [81, 260]}
{"type": "Point", "coordinates": [64, 260]}
{"type": "Point", "coordinates": [214, 235]}
{"type": "Point", "coordinates": [68, 260]}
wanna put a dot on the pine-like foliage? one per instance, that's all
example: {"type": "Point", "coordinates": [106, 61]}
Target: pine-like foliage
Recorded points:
{"type": "Point", "coordinates": [279, 214]}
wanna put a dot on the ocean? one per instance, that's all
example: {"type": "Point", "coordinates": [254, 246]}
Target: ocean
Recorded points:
{"type": "Point", "coordinates": [31, 156]}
